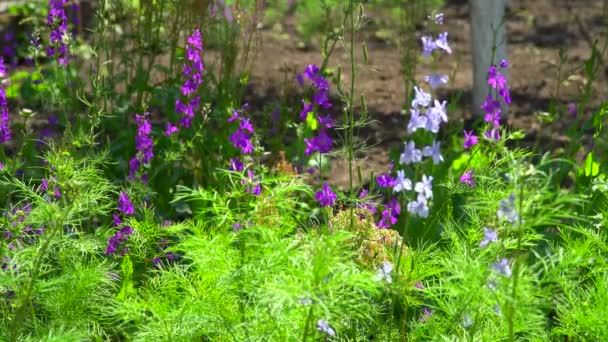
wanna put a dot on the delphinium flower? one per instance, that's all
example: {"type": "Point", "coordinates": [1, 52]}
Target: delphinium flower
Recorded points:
{"type": "Point", "coordinates": [491, 105]}
{"type": "Point", "coordinates": [144, 145]}
{"type": "Point", "coordinates": [503, 267]}
{"type": "Point", "coordinates": [5, 132]}
{"type": "Point", "coordinates": [9, 45]}
{"type": "Point", "coordinates": [433, 151]}
{"type": "Point", "coordinates": [324, 327]}
{"type": "Point", "coordinates": [467, 178]}
{"type": "Point", "coordinates": [235, 164]}
{"type": "Point", "coordinates": [384, 272]}
{"type": "Point", "coordinates": [125, 206]}
{"type": "Point", "coordinates": [402, 183]}
{"type": "Point", "coordinates": [470, 139]}
{"type": "Point", "coordinates": [321, 143]}
{"type": "Point", "coordinates": [326, 197]}
{"type": "Point", "coordinates": [425, 187]}
{"type": "Point", "coordinates": [385, 181]}
{"type": "Point", "coordinates": [507, 209]}
{"type": "Point", "coordinates": [241, 138]}
{"type": "Point", "coordinates": [252, 182]}
{"type": "Point", "coordinates": [410, 154]}
{"type": "Point", "coordinates": [419, 207]}
{"type": "Point", "coordinates": [367, 204]}
{"type": "Point", "coordinates": [436, 80]}
{"type": "Point", "coordinates": [426, 315]}
{"type": "Point", "coordinates": [58, 22]}
{"type": "Point", "coordinates": [489, 236]}
{"type": "Point", "coordinates": [188, 104]}
{"type": "Point", "coordinates": [390, 214]}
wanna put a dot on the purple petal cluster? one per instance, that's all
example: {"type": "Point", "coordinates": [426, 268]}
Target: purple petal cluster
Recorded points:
{"type": "Point", "coordinates": [144, 145]}
{"type": "Point", "coordinates": [5, 131]}
{"type": "Point", "coordinates": [470, 139]}
{"type": "Point", "coordinates": [491, 105]}
{"type": "Point", "coordinates": [467, 178]}
{"type": "Point", "coordinates": [58, 21]}
{"type": "Point", "coordinates": [122, 235]}
{"type": "Point", "coordinates": [320, 99]}
{"type": "Point", "coordinates": [193, 72]}
{"type": "Point", "coordinates": [253, 183]}
{"type": "Point", "coordinates": [324, 327]}
{"type": "Point", "coordinates": [326, 197]}
{"type": "Point", "coordinates": [390, 214]}
{"type": "Point", "coordinates": [241, 138]}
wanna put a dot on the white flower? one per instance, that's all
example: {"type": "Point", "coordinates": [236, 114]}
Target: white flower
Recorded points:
{"type": "Point", "coordinates": [442, 42]}
{"type": "Point", "coordinates": [436, 80]}
{"type": "Point", "coordinates": [422, 98]}
{"type": "Point", "coordinates": [402, 183]}
{"type": "Point", "coordinates": [419, 207]}
{"type": "Point", "coordinates": [433, 151]}
{"type": "Point", "coordinates": [425, 187]}
{"type": "Point", "coordinates": [410, 154]}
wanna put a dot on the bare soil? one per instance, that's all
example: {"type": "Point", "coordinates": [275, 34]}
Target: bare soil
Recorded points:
{"type": "Point", "coordinates": [537, 31]}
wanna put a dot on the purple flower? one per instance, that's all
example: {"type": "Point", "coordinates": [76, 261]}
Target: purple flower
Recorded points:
{"type": "Point", "coordinates": [385, 181]}
{"type": "Point", "coordinates": [493, 133]}
{"type": "Point", "coordinates": [489, 236]}
{"type": "Point", "coordinates": [572, 109]}
{"type": "Point", "coordinates": [5, 132]}
{"type": "Point", "coordinates": [124, 204]}
{"type": "Point", "coordinates": [57, 20]}
{"type": "Point", "coordinates": [235, 164]}
{"type": "Point", "coordinates": [116, 220]}
{"type": "Point", "coordinates": [495, 78]}
{"type": "Point", "coordinates": [44, 185]}
{"type": "Point", "coordinates": [470, 139]}
{"type": "Point", "coordinates": [252, 180]}
{"type": "Point", "coordinates": [117, 239]}
{"type": "Point", "coordinates": [507, 210]}
{"type": "Point", "coordinates": [240, 138]}
{"type": "Point", "coordinates": [426, 315]}
{"type": "Point", "coordinates": [144, 145]}
{"type": "Point", "coordinates": [503, 267]}
{"type": "Point", "coordinates": [326, 197]}
{"type": "Point", "coordinates": [56, 192]}
{"type": "Point", "coordinates": [321, 143]}
{"type": "Point", "coordinates": [324, 327]}
{"type": "Point", "coordinates": [467, 178]}
{"type": "Point", "coordinates": [390, 214]}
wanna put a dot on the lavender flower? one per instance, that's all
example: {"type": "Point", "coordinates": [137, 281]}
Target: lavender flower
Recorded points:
{"type": "Point", "coordinates": [117, 239]}
{"type": "Point", "coordinates": [425, 187]}
{"type": "Point", "coordinates": [326, 197]}
{"type": "Point", "coordinates": [507, 209]}
{"type": "Point", "coordinates": [422, 98]}
{"type": "Point", "coordinates": [402, 183]}
{"type": "Point", "coordinates": [467, 178]}
{"type": "Point", "coordinates": [416, 121]}
{"type": "Point", "coordinates": [489, 236]}
{"type": "Point", "coordinates": [253, 185]}
{"type": "Point", "coordinates": [324, 327]}
{"type": "Point", "coordinates": [241, 138]}
{"type": "Point", "coordinates": [442, 42]}
{"type": "Point", "coordinates": [503, 267]}
{"type": "Point", "coordinates": [419, 207]}
{"type": "Point", "coordinates": [428, 45]}
{"type": "Point", "coordinates": [410, 154]}
{"type": "Point", "coordinates": [433, 151]}
{"type": "Point", "coordinates": [436, 80]}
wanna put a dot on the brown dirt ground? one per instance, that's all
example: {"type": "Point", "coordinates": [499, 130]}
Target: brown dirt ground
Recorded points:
{"type": "Point", "coordinates": [537, 30]}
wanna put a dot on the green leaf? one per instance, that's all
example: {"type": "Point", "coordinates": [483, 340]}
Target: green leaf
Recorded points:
{"type": "Point", "coordinates": [592, 169]}
{"type": "Point", "coordinates": [127, 278]}
{"type": "Point", "coordinates": [311, 121]}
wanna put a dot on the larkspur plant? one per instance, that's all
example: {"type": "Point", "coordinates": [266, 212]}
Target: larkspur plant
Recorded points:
{"type": "Point", "coordinates": [141, 204]}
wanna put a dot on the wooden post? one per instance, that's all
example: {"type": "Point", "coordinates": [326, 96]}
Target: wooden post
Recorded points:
{"type": "Point", "coordinates": [487, 30]}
